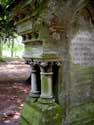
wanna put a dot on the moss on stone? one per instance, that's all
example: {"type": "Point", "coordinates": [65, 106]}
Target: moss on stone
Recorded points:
{"type": "Point", "coordinates": [45, 84]}
{"type": "Point", "coordinates": [47, 57]}
{"type": "Point", "coordinates": [38, 10]}
{"type": "Point", "coordinates": [82, 115]}
{"type": "Point", "coordinates": [36, 113]}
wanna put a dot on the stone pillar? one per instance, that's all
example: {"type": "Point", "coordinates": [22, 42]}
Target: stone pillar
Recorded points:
{"type": "Point", "coordinates": [34, 82]}
{"type": "Point", "coordinates": [46, 80]}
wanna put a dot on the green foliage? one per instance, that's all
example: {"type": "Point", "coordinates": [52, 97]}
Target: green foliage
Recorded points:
{"type": "Point", "coordinates": [7, 28]}
{"type": "Point", "coordinates": [5, 3]}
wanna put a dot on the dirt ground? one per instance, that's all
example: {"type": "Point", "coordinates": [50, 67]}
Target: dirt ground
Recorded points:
{"type": "Point", "coordinates": [14, 88]}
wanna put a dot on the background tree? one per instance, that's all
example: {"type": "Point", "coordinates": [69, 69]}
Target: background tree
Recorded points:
{"type": "Point", "coordinates": [7, 28]}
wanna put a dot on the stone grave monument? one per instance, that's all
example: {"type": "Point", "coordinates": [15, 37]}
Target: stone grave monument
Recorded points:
{"type": "Point", "coordinates": [59, 45]}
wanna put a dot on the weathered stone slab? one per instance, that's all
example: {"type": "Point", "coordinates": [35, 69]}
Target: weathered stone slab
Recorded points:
{"type": "Point", "coordinates": [82, 48]}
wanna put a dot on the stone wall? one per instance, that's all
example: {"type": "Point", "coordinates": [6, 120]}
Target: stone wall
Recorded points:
{"type": "Point", "coordinates": [68, 30]}
{"type": "Point", "coordinates": [82, 70]}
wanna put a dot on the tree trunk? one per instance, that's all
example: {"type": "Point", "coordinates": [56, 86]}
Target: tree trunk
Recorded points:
{"type": "Point", "coordinates": [1, 49]}
{"type": "Point", "coordinates": [12, 47]}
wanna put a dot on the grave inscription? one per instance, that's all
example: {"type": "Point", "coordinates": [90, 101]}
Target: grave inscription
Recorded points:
{"type": "Point", "coordinates": [82, 49]}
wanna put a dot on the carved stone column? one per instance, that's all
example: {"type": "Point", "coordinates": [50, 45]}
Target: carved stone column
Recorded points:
{"type": "Point", "coordinates": [34, 82]}
{"type": "Point", "coordinates": [46, 80]}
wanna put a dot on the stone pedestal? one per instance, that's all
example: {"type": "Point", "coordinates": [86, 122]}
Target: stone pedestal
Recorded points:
{"type": "Point", "coordinates": [36, 113]}
{"type": "Point", "coordinates": [41, 107]}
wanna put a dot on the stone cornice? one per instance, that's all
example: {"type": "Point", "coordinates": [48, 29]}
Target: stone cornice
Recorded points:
{"type": "Point", "coordinates": [23, 4]}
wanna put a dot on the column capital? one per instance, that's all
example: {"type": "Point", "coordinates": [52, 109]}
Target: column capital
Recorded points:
{"type": "Point", "coordinates": [46, 66]}
{"type": "Point", "coordinates": [57, 63]}
{"type": "Point", "coordinates": [33, 66]}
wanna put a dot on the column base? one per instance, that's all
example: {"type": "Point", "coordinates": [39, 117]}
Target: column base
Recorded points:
{"type": "Point", "coordinates": [35, 94]}
{"type": "Point", "coordinates": [45, 96]}
{"type": "Point", "coordinates": [46, 100]}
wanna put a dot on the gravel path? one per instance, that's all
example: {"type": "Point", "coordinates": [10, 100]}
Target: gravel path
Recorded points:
{"type": "Point", "coordinates": [13, 90]}
{"type": "Point", "coordinates": [14, 71]}
{"type": "Point", "coordinates": [15, 122]}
